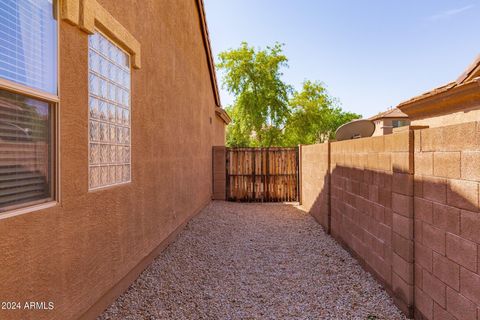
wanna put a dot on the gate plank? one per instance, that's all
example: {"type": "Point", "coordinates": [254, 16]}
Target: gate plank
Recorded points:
{"type": "Point", "coordinates": [262, 174]}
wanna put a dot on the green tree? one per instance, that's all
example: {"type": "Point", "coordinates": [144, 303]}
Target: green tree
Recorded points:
{"type": "Point", "coordinates": [315, 116]}
{"type": "Point", "coordinates": [261, 108]}
{"type": "Point", "coordinates": [267, 111]}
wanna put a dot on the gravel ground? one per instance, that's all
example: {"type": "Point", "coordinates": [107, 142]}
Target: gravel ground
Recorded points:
{"type": "Point", "coordinates": [254, 261]}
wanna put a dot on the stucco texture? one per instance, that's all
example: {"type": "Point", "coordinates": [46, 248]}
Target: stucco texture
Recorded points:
{"type": "Point", "coordinates": [385, 126]}
{"type": "Point", "coordinates": [449, 118]}
{"type": "Point", "coordinates": [74, 253]}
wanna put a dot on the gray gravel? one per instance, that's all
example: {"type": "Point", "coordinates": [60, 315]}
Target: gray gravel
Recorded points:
{"type": "Point", "coordinates": [254, 261]}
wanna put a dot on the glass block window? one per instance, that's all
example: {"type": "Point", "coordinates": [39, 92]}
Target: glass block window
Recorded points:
{"type": "Point", "coordinates": [109, 113]}
{"type": "Point", "coordinates": [28, 43]}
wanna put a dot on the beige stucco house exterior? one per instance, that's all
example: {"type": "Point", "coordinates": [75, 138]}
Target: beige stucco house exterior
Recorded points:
{"type": "Point", "coordinates": [386, 121]}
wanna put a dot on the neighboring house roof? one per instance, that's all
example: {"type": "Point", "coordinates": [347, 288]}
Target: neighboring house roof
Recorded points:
{"type": "Point", "coordinates": [210, 61]}
{"type": "Point", "coordinates": [391, 113]}
{"type": "Point", "coordinates": [452, 97]}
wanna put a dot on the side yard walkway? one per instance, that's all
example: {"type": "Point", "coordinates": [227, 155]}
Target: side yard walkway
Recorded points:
{"type": "Point", "coordinates": [254, 261]}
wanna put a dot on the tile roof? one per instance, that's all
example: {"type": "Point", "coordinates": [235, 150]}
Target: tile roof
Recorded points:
{"type": "Point", "coordinates": [469, 75]}
{"type": "Point", "coordinates": [391, 113]}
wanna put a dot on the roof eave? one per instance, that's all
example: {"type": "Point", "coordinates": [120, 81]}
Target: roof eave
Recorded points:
{"type": "Point", "coordinates": [208, 49]}
{"type": "Point", "coordinates": [220, 112]}
{"type": "Point", "coordinates": [388, 117]}
{"type": "Point", "coordinates": [453, 99]}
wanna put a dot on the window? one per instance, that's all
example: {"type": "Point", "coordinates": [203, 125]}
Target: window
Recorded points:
{"type": "Point", "coordinates": [28, 96]}
{"type": "Point", "coordinates": [28, 43]}
{"type": "Point", "coordinates": [109, 113]}
{"type": "Point", "coordinates": [399, 123]}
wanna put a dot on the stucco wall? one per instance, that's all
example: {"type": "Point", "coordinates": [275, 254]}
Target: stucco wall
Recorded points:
{"type": "Point", "coordinates": [385, 126]}
{"type": "Point", "coordinates": [219, 131]}
{"type": "Point", "coordinates": [219, 173]}
{"type": "Point", "coordinates": [378, 128]}
{"type": "Point", "coordinates": [76, 252]}
{"type": "Point", "coordinates": [452, 118]}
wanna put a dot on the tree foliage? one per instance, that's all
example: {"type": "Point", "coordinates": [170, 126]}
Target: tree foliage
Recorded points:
{"type": "Point", "coordinates": [261, 105]}
{"type": "Point", "coordinates": [267, 111]}
{"type": "Point", "coordinates": [315, 116]}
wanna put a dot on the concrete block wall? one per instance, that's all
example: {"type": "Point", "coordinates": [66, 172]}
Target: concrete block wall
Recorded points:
{"type": "Point", "coordinates": [407, 206]}
{"type": "Point", "coordinates": [315, 181]}
{"type": "Point", "coordinates": [372, 208]}
{"type": "Point", "coordinates": [447, 222]}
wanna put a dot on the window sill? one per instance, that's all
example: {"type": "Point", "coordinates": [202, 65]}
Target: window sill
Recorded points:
{"type": "Point", "coordinates": [109, 187]}
{"type": "Point", "coordinates": [24, 210]}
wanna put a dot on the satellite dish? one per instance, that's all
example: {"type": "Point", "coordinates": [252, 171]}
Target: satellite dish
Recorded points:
{"type": "Point", "coordinates": [355, 129]}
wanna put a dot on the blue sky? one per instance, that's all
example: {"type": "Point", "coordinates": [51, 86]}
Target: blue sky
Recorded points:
{"type": "Point", "coordinates": [371, 54]}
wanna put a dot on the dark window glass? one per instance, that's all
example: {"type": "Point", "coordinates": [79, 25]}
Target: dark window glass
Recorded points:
{"type": "Point", "coordinates": [25, 150]}
{"type": "Point", "coordinates": [399, 123]}
{"type": "Point", "coordinates": [28, 43]}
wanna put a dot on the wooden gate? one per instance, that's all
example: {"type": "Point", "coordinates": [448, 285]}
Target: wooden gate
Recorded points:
{"type": "Point", "coordinates": [262, 174]}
